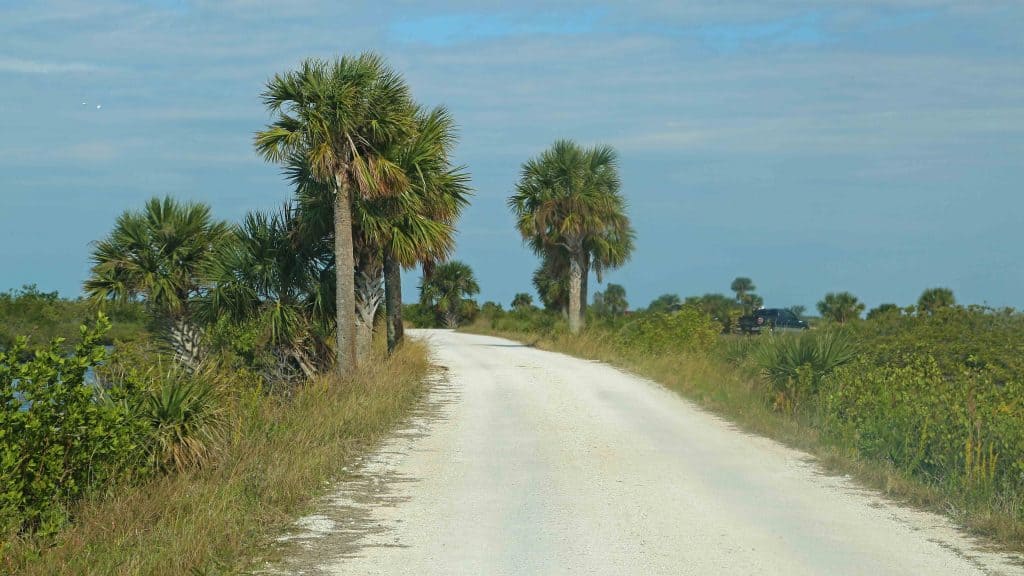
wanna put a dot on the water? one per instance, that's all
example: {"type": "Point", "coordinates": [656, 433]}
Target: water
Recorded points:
{"type": "Point", "coordinates": [90, 379]}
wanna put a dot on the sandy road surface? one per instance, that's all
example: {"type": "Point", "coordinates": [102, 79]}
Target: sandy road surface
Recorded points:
{"type": "Point", "coordinates": [539, 463]}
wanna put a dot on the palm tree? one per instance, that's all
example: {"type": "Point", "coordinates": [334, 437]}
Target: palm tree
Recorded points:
{"type": "Point", "coordinates": [424, 230]}
{"type": "Point", "coordinates": [745, 297]}
{"type": "Point", "coordinates": [612, 302]}
{"type": "Point", "coordinates": [446, 291]}
{"type": "Point", "coordinates": [274, 277]}
{"type": "Point", "coordinates": [157, 254]}
{"type": "Point", "coordinates": [741, 286]}
{"type": "Point", "coordinates": [522, 301]}
{"type": "Point", "coordinates": [934, 299]}
{"type": "Point", "coordinates": [392, 232]}
{"type": "Point", "coordinates": [341, 117]}
{"type": "Point", "coordinates": [567, 199]}
{"type": "Point", "coordinates": [840, 307]}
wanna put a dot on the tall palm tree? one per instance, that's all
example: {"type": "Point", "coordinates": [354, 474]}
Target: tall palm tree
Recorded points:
{"type": "Point", "coordinates": [396, 231]}
{"type": "Point", "coordinates": [273, 276]}
{"type": "Point", "coordinates": [341, 116]}
{"type": "Point", "coordinates": [446, 291]}
{"type": "Point", "coordinates": [741, 286]}
{"type": "Point", "coordinates": [157, 254]}
{"type": "Point", "coordinates": [568, 199]}
{"type": "Point", "coordinates": [438, 191]}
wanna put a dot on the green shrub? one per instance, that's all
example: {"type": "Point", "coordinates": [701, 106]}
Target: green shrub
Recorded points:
{"type": "Point", "coordinates": [419, 316]}
{"type": "Point", "coordinates": [530, 320]}
{"type": "Point", "coordinates": [57, 440]}
{"type": "Point", "coordinates": [959, 431]}
{"type": "Point", "coordinates": [956, 338]}
{"type": "Point", "coordinates": [688, 330]}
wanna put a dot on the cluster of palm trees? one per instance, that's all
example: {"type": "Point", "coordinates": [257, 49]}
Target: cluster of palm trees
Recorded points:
{"type": "Point", "coordinates": [375, 191]}
{"type": "Point", "coordinates": [570, 211]}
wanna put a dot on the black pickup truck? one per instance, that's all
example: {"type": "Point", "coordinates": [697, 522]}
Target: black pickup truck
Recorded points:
{"type": "Point", "coordinates": [771, 319]}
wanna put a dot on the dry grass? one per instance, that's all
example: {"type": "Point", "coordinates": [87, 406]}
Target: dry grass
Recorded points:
{"type": "Point", "coordinates": [278, 457]}
{"type": "Point", "coordinates": [744, 398]}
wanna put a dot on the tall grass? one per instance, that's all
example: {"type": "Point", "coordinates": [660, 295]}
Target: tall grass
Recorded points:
{"type": "Point", "coordinates": [277, 454]}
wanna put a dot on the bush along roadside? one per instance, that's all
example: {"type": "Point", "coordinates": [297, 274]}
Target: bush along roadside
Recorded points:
{"type": "Point", "coordinates": [928, 408]}
{"type": "Point", "coordinates": [59, 436]}
{"type": "Point", "coordinates": [155, 470]}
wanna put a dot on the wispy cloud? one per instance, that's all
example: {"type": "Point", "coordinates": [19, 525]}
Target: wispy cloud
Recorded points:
{"type": "Point", "coordinates": [24, 66]}
{"type": "Point", "coordinates": [803, 30]}
{"type": "Point", "coordinates": [464, 27]}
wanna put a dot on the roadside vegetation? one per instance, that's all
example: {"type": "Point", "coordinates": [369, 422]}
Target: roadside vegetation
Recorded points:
{"type": "Point", "coordinates": [264, 459]}
{"type": "Point", "coordinates": [246, 362]}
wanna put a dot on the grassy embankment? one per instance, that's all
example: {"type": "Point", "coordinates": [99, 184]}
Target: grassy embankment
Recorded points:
{"type": "Point", "coordinates": [929, 410]}
{"type": "Point", "coordinates": [278, 454]}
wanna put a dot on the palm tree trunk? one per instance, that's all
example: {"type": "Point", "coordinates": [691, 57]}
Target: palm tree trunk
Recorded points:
{"type": "Point", "coordinates": [186, 340]}
{"type": "Point", "coordinates": [344, 270]}
{"type": "Point", "coordinates": [393, 302]}
{"type": "Point", "coordinates": [575, 284]}
{"type": "Point", "coordinates": [369, 294]}
{"type": "Point", "coordinates": [584, 291]}
{"type": "Point", "coordinates": [451, 319]}
{"type": "Point", "coordinates": [304, 363]}
{"type": "Point", "coordinates": [428, 270]}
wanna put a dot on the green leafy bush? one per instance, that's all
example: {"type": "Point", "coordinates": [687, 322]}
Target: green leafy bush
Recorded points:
{"type": "Point", "coordinates": [534, 321]}
{"type": "Point", "coordinates": [965, 430]}
{"type": "Point", "coordinates": [688, 330]}
{"type": "Point", "coordinates": [955, 337]}
{"type": "Point", "coordinates": [419, 316]}
{"type": "Point", "coordinates": [57, 439]}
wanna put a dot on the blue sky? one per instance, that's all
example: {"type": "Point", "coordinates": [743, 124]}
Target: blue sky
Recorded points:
{"type": "Point", "coordinates": [815, 146]}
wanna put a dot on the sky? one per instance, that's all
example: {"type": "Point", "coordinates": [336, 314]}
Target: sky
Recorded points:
{"type": "Point", "coordinates": [815, 146]}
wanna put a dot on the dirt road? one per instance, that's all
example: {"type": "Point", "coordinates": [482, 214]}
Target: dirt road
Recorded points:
{"type": "Point", "coordinates": [539, 463]}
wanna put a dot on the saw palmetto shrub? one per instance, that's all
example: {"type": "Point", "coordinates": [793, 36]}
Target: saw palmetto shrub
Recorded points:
{"type": "Point", "coordinates": [794, 364]}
